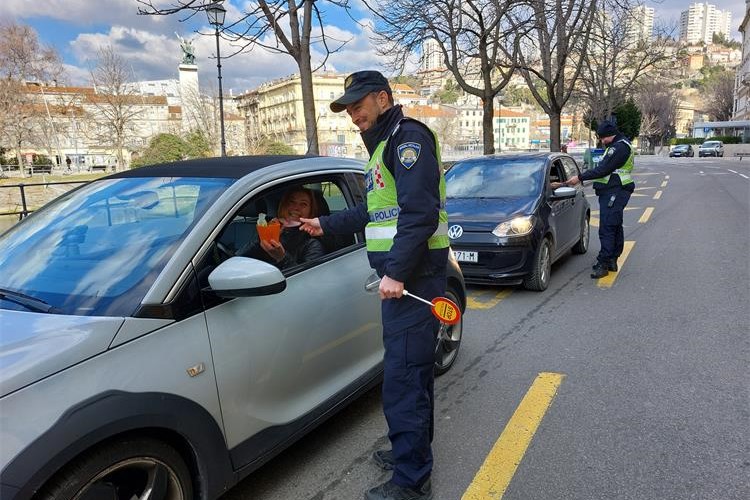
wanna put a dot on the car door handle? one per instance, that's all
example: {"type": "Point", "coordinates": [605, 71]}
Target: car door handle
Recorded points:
{"type": "Point", "coordinates": [373, 282]}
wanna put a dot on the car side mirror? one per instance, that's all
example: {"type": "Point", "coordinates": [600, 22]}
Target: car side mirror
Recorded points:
{"type": "Point", "coordinates": [564, 193]}
{"type": "Point", "coordinates": [246, 277]}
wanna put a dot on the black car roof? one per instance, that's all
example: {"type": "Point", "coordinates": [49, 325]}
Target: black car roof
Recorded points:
{"type": "Point", "coordinates": [513, 157]}
{"type": "Point", "coordinates": [232, 167]}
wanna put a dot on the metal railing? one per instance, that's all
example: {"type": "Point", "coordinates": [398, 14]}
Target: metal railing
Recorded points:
{"type": "Point", "coordinates": [25, 211]}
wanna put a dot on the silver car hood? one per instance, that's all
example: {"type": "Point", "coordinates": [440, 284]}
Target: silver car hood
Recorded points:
{"type": "Point", "coordinates": [35, 345]}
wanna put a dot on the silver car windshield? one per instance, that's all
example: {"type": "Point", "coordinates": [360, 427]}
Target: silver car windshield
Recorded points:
{"type": "Point", "coordinates": [97, 250]}
{"type": "Point", "coordinates": [495, 178]}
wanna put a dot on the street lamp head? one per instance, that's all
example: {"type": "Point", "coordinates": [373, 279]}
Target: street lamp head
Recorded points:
{"type": "Point", "coordinates": [216, 13]}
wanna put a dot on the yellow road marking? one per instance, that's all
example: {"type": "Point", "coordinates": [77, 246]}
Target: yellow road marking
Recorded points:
{"type": "Point", "coordinates": [498, 468]}
{"type": "Point", "coordinates": [645, 187]}
{"type": "Point", "coordinates": [609, 280]}
{"type": "Point", "coordinates": [664, 184]}
{"type": "Point", "coordinates": [658, 195]}
{"type": "Point", "coordinates": [646, 215]}
{"type": "Point", "coordinates": [474, 303]}
{"type": "Point", "coordinates": [594, 221]}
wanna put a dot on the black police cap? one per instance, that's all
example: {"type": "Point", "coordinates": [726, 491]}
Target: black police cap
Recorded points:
{"type": "Point", "coordinates": [606, 129]}
{"type": "Point", "coordinates": [357, 85]}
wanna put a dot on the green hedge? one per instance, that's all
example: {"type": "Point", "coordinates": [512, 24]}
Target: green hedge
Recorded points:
{"type": "Point", "coordinates": [726, 139]}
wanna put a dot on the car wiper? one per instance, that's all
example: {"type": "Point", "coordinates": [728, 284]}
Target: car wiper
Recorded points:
{"type": "Point", "coordinates": [27, 301]}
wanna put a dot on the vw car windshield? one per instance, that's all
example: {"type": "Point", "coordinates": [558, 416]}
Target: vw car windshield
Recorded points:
{"type": "Point", "coordinates": [97, 250]}
{"type": "Point", "coordinates": [495, 178]}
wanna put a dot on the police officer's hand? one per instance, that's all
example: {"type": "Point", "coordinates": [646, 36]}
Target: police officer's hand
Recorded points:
{"type": "Point", "coordinates": [573, 181]}
{"type": "Point", "coordinates": [311, 226]}
{"type": "Point", "coordinates": [390, 288]}
{"type": "Point", "coordinates": [555, 185]}
{"type": "Point", "coordinates": [274, 249]}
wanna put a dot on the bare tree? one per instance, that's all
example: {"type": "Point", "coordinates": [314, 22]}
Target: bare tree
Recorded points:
{"type": "Point", "coordinates": [115, 105]}
{"type": "Point", "coordinates": [658, 103]}
{"type": "Point", "coordinates": [552, 52]}
{"type": "Point", "coordinates": [720, 99]}
{"type": "Point", "coordinates": [23, 60]}
{"type": "Point", "coordinates": [469, 33]}
{"type": "Point", "coordinates": [295, 27]}
{"type": "Point", "coordinates": [619, 55]}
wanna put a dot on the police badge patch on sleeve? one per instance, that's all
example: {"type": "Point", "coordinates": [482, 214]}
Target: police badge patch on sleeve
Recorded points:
{"type": "Point", "coordinates": [408, 153]}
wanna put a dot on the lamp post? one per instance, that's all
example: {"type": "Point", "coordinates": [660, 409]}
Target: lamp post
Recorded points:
{"type": "Point", "coordinates": [216, 13]}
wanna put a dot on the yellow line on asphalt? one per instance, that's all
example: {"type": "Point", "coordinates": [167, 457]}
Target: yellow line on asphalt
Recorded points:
{"type": "Point", "coordinates": [609, 280]}
{"type": "Point", "coordinates": [474, 303]}
{"type": "Point", "coordinates": [646, 215]}
{"type": "Point", "coordinates": [657, 195]}
{"type": "Point", "coordinates": [664, 184]}
{"type": "Point", "coordinates": [498, 468]}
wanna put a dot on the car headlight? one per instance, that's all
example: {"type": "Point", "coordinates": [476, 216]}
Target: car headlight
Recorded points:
{"type": "Point", "coordinates": [518, 226]}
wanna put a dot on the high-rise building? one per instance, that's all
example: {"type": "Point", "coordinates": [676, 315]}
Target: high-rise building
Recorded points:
{"type": "Point", "coordinates": [742, 83]}
{"type": "Point", "coordinates": [701, 21]}
{"type": "Point", "coordinates": [432, 56]}
{"type": "Point", "coordinates": [641, 23]}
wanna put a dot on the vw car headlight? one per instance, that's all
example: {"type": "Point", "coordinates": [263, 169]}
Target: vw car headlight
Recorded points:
{"type": "Point", "coordinates": [517, 226]}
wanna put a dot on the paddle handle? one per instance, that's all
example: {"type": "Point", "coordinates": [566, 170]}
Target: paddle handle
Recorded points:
{"type": "Point", "coordinates": [419, 298]}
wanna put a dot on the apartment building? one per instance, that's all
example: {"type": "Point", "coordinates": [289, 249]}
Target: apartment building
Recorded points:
{"type": "Point", "coordinates": [641, 23]}
{"type": "Point", "coordinates": [701, 21]}
{"type": "Point", "coordinates": [275, 111]}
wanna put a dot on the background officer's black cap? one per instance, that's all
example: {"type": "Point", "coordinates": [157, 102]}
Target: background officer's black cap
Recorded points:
{"type": "Point", "coordinates": [357, 85]}
{"type": "Point", "coordinates": [606, 129]}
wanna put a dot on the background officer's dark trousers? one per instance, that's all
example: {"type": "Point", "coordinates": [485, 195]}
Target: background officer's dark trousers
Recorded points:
{"type": "Point", "coordinates": [408, 381]}
{"type": "Point", "coordinates": [611, 235]}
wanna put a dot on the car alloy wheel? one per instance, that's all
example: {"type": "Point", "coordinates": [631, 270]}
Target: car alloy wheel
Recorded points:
{"type": "Point", "coordinates": [141, 468]}
{"type": "Point", "coordinates": [538, 278]}
{"type": "Point", "coordinates": [448, 341]}
{"type": "Point", "coordinates": [582, 245]}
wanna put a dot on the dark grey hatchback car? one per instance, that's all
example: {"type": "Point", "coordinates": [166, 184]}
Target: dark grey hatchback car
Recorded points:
{"type": "Point", "coordinates": [506, 223]}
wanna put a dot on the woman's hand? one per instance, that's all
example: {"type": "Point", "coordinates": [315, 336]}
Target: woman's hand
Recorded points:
{"type": "Point", "coordinates": [274, 249]}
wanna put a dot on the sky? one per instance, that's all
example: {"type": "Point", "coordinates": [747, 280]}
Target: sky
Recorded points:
{"type": "Point", "coordinates": [78, 28]}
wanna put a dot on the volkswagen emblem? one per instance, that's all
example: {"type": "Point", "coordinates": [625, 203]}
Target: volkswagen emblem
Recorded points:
{"type": "Point", "coordinates": [455, 231]}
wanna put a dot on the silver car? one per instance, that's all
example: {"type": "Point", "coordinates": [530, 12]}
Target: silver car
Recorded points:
{"type": "Point", "coordinates": [140, 358]}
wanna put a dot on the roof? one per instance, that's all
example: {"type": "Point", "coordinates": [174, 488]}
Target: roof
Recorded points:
{"type": "Point", "coordinates": [513, 157]}
{"type": "Point", "coordinates": [232, 167]}
{"type": "Point", "coordinates": [505, 113]}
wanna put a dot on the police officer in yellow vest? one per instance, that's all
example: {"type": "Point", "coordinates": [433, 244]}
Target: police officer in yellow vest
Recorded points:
{"type": "Point", "coordinates": [406, 230]}
{"type": "Point", "coordinates": [613, 184]}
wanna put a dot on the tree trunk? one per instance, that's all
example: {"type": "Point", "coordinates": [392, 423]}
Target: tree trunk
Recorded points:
{"type": "Point", "coordinates": [554, 130]}
{"type": "Point", "coordinates": [308, 104]}
{"type": "Point", "coordinates": [488, 134]}
{"type": "Point", "coordinates": [19, 159]}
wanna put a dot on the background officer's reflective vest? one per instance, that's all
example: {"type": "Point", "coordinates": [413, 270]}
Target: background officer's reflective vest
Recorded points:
{"type": "Point", "coordinates": [382, 204]}
{"type": "Point", "coordinates": [625, 171]}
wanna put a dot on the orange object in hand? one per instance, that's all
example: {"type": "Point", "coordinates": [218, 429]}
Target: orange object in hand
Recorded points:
{"type": "Point", "coordinates": [271, 231]}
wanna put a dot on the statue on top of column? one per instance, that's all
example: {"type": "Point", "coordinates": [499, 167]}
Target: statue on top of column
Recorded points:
{"type": "Point", "coordinates": [188, 51]}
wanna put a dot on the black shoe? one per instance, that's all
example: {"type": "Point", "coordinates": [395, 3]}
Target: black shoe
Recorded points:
{"type": "Point", "coordinates": [599, 271]}
{"type": "Point", "coordinates": [392, 491]}
{"type": "Point", "coordinates": [383, 459]}
{"type": "Point", "coordinates": [612, 266]}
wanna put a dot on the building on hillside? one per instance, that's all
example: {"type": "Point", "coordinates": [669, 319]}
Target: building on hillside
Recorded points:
{"type": "Point", "coordinates": [701, 21]}
{"type": "Point", "coordinates": [694, 62]}
{"type": "Point", "coordinates": [723, 56]}
{"type": "Point", "coordinates": [432, 56]}
{"type": "Point", "coordinates": [274, 112]}
{"type": "Point", "coordinates": [641, 23]}
{"type": "Point", "coordinates": [406, 96]}
{"type": "Point", "coordinates": [742, 81]}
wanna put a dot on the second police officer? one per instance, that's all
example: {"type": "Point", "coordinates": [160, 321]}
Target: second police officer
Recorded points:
{"type": "Point", "coordinates": [613, 184]}
{"type": "Point", "coordinates": [406, 229]}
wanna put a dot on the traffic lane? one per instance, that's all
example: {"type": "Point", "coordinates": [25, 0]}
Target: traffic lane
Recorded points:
{"type": "Point", "coordinates": [657, 406]}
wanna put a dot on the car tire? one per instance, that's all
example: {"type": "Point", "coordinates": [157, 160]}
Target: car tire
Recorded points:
{"type": "Point", "coordinates": [538, 279]}
{"type": "Point", "coordinates": [448, 340]}
{"type": "Point", "coordinates": [123, 469]}
{"type": "Point", "coordinates": [582, 246]}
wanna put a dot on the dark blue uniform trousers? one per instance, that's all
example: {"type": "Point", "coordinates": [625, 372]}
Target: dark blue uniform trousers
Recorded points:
{"type": "Point", "coordinates": [611, 235]}
{"type": "Point", "coordinates": [408, 383]}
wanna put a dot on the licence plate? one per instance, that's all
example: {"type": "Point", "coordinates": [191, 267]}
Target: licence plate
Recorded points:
{"type": "Point", "coordinates": [464, 256]}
